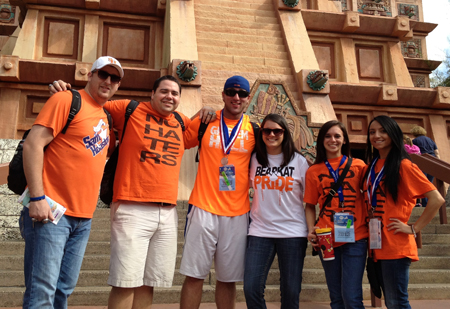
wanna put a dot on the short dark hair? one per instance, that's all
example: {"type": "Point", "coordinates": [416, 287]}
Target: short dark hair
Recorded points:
{"type": "Point", "coordinates": [287, 145]}
{"type": "Point", "coordinates": [320, 148]}
{"type": "Point", "coordinates": [166, 77]}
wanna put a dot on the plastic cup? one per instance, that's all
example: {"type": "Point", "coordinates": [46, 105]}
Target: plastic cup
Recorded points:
{"type": "Point", "coordinates": [325, 243]}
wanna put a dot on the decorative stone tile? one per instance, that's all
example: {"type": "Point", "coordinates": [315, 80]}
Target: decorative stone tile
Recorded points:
{"type": "Point", "coordinates": [412, 48]}
{"type": "Point", "coordinates": [410, 10]}
{"type": "Point", "coordinates": [375, 7]}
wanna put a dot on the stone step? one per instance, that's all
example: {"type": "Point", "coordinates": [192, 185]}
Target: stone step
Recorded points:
{"type": "Point", "coordinates": [243, 24]}
{"type": "Point", "coordinates": [436, 229]}
{"type": "Point", "coordinates": [259, 61]}
{"type": "Point", "coordinates": [258, 4]}
{"type": "Point", "coordinates": [235, 10]}
{"type": "Point", "coordinates": [222, 27]}
{"type": "Point", "coordinates": [417, 211]}
{"type": "Point", "coordinates": [220, 50]}
{"type": "Point", "coordinates": [98, 296]}
{"type": "Point", "coordinates": [240, 68]}
{"type": "Point", "coordinates": [260, 46]}
{"type": "Point", "coordinates": [266, 17]}
{"type": "Point", "coordinates": [244, 38]}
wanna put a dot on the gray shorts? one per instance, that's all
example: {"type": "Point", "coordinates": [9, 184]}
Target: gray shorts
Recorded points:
{"type": "Point", "coordinates": [211, 236]}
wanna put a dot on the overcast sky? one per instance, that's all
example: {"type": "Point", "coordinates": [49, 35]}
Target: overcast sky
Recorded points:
{"type": "Point", "coordinates": [437, 12]}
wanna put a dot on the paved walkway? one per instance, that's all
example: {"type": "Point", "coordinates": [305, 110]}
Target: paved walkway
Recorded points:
{"type": "Point", "coordinates": [416, 304]}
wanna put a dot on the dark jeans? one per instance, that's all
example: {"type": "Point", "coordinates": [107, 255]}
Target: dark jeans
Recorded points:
{"type": "Point", "coordinates": [259, 256]}
{"type": "Point", "coordinates": [344, 275]}
{"type": "Point", "coordinates": [395, 283]}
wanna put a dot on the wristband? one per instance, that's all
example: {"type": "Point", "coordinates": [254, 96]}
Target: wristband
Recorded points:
{"type": "Point", "coordinates": [413, 231]}
{"type": "Point", "coordinates": [38, 198]}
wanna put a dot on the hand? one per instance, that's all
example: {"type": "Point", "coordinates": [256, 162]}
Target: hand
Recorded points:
{"type": "Point", "coordinates": [398, 226]}
{"type": "Point", "coordinates": [58, 85]}
{"type": "Point", "coordinates": [312, 237]}
{"type": "Point", "coordinates": [40, 210]}
{"type": "Point", "coordinates": [207, 114]}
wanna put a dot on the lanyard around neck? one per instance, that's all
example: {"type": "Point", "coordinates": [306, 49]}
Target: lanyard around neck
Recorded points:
{"type": "Point", "coordinates": [228, 140]}
{"type": "Point", "coordinates": [335, 175]}
{"type": "Point", "coordinates": [375, 182]}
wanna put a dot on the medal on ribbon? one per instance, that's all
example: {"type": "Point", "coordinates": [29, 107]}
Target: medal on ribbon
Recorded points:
{"type": "Point", "coordinates": [227, 140]}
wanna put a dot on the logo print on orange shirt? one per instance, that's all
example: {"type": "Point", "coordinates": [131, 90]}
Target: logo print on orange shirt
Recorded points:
{"type": "Point", "coordinates": [100, 139]}
{"type": "Point", "coordinates": [284, 181]}
{"type": "Point", "coordinates": [165, 144]}
{"type": "Point", "coordinates": [239, 145]}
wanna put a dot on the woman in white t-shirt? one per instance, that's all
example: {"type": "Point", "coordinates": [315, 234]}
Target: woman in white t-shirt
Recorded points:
{"type": "Point", "coordinates": [278, 224]}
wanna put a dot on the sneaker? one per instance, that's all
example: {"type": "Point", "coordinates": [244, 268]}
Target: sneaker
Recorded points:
{"type": "Point", "coordinates": [418, 205]}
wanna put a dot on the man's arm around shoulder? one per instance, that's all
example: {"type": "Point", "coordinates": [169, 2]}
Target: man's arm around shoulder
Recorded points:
{"type": "Point", "coordinates": [33, 164]}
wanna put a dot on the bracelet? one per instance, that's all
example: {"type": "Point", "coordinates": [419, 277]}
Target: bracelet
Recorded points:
{"type": "Point", "coordinates": [413, 231]}
{"type": "Point", "coordinates": [38, 198]}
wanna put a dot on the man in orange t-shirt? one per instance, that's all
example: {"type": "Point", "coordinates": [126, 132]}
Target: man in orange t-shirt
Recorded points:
{"type": "Point", "coordinates": [217, 220]}
{"type": "Point", "coordinates": [68, 169]}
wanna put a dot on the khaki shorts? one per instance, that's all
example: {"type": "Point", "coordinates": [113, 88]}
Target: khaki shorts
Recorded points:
{"type": "Point", "coordinates": [143, 244]}
{"type": "Point", "coordinates": [208, 236]}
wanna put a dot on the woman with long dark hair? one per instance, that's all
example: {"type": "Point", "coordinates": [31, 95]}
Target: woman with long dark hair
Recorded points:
{"type": "Point", "coordinates": [392, 184]}
{"type": "Point", "coordinates": [343, 274]}
{"type": "Point", "coordinates": [278, 224]}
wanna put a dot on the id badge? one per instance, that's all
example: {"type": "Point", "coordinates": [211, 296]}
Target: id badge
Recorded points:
{"type": "Point", "coordinates": [344, 227]}
{"type": "Point", "coordinates": [375, 233]}
{"type": "Point", "coordinates": [227, 178]}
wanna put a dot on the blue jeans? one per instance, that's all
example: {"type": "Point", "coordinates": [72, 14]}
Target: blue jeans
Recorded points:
{"type": "Point", "coordinates": [259, 256]}
{"type": "Point", "coordinates": [395, 275]}
{"type": "Point", "coordinates": [52, 259]}
{"type": "Point", "coordinates": [344, 275]}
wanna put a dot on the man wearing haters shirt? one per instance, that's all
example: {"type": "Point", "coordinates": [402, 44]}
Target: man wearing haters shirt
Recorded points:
{"type": "Point", "coordinates": [217, 220]}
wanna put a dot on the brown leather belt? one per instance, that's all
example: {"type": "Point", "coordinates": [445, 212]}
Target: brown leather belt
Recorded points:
{"type": "Point", "coordinates": [162, 204]}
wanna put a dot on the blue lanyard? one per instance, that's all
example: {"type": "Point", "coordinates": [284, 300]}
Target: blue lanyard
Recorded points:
{"type": "Point", "coordinates": [228, 140]}
{"type": "Point", "coordinates": [375, 181]}
{"type": "Point", "coordinates": [335, 174]}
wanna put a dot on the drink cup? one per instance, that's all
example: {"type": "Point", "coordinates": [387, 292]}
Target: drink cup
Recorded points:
{"type": "Point", "coordinates": [325, 243]}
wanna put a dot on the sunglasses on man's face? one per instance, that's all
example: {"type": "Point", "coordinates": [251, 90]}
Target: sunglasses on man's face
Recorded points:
{"type": "Point", "coordinates": [232, 92]}
{"type": "Point", "coordinates": [104, 76]}
{"type": "Point", "coordinates": [276, 132]}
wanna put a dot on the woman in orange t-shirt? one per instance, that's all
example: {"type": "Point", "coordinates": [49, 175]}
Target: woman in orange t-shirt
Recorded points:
{"type": "Point", "coordinates": [344, 273]}
{"type": "Point", "coordinates": [392, 184]}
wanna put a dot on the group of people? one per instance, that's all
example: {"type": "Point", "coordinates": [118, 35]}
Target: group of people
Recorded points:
{"type": "Point", "coordinates": [234, 156]}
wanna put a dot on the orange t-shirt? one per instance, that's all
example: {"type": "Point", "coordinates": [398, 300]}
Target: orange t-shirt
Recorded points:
{"type": "Point", "coordinates": [412, 185]}
{"type": "Point", "coordinates": [74, 161]}
{"type": "Point", "coordinates": [150, 155]}
{"type": "Point", "coordinates": [318, 184]}
{"type": "Point", "coordinates": [206, 194]}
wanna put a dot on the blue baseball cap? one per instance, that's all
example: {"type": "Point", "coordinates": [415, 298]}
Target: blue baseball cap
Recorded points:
{"type": "Point", "coordinates": [237, 82]}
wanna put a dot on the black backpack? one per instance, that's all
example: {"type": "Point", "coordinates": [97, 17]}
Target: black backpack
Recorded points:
{"type": "Point", "coordinates": [16, 176]}
{"type": "Point", "coordinates": [204, 126]}
{"type": "Point", "coordinates": [107, 185]}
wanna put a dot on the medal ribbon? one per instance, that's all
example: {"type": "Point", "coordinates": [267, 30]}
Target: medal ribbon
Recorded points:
{"type": "Point", "coordinates": [335, 174]}
{"type": "Point", "coordinates": [228, 140]}
{"type": "Point", "coordinates": [375, 181]}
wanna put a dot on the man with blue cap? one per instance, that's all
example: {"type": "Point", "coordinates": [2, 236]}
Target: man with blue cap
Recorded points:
{"type": "Point", "coordinates": [217, 219]}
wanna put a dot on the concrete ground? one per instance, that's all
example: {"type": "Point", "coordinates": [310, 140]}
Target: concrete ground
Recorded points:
{"type": "Point", "coordinates": [416, 304]}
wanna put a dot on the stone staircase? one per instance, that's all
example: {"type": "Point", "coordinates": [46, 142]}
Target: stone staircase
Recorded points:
{"type": "Point", "coordinates": [429, 278]}
{"type": "Point", "coordinates": [240, 38]}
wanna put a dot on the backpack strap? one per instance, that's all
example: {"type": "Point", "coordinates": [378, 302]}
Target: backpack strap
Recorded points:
{"type": "Point", "coordinates": [255, 127]}
{"type": "Point", "coordinates": [74, 108]}
{"type": "Point", "coordinates": [130, 109]}
{"type": "Point", "coordinates": [180, 120]}
{"type": "Point", "coordinates": [110, 120]}
{"type": "Point", "coordinates": [201, 132]}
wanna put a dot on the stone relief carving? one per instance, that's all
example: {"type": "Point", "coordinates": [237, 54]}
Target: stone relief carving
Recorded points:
{"type": "Point", "coordinates": [269, 97]}
{"type": "Point", "coordinates": [7, 13]}
{"type": "Point", "coordinates": [187, 71]}
{"type": "Point", "coordinates": [317, 80]}
{"type": "Point", "coordinates": [412, 48]}
{"type": "Point", "coordinates": [375, 7]}
{"type": "Point", "coordinates": [410, 10]}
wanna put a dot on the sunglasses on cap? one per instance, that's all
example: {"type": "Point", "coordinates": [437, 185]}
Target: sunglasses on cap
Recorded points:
{"type": "Point", "coordinates": [276, 132]}
{"type": "Point", "coordinates": [231, 92]}
{"type": "Point", "coordinates": [103, 75]}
